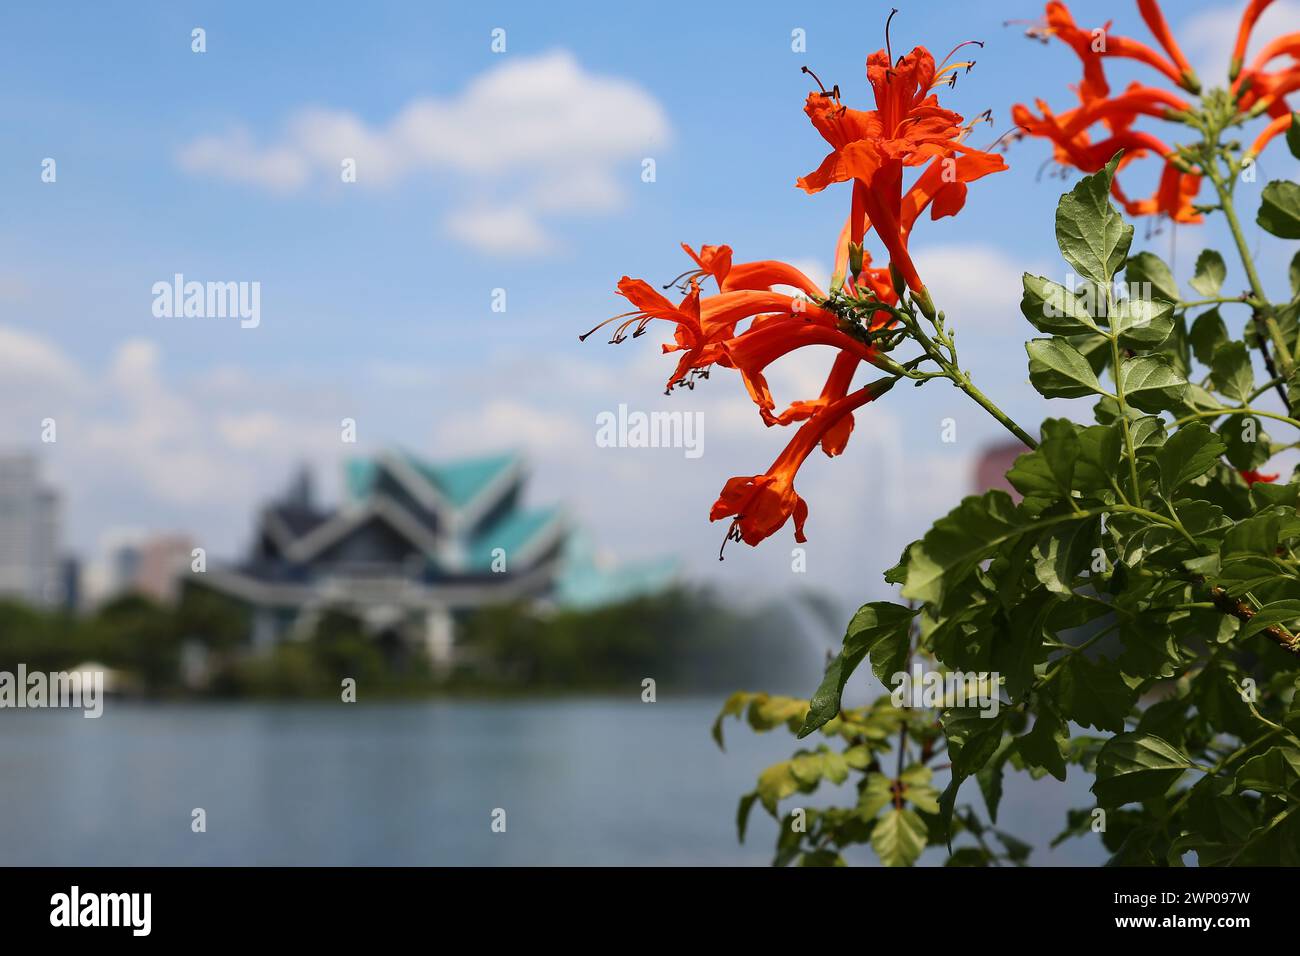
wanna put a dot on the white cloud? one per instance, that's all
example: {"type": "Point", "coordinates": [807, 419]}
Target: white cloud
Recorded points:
{"type": "Point", "coordinates": [25, 358]}
{"type": "Point", "coordinates": [499, 230]}
{"type": "Point", "coordinates": [974, 284]}
{"type": "Point", "coordinates": [533, 135]}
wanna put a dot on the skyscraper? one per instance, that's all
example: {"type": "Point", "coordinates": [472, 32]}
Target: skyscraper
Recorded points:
{"type": "Point", "coordinates": [29, 533]}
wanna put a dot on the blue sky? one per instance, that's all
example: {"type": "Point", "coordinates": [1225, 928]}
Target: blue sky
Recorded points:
{"type": "Point", "coordinates": [376, 294]}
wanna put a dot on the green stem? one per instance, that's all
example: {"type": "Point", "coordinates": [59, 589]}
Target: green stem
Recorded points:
{"type": "Point", "coordinates": [1119, 397]}
{"type": "Point", "coordinates": [963, 381]}
{"type": "Point", "coordinates": [1243, 410]}
{"type": "Point", "coordinates": [1252, 275]}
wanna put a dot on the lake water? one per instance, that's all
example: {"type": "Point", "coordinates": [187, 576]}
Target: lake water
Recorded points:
{"type": "Point", "coordinates": [582, 781]}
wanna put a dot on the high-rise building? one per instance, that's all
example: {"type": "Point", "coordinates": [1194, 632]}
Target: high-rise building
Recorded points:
{"type": "Point", "coordinates": [29, 534]}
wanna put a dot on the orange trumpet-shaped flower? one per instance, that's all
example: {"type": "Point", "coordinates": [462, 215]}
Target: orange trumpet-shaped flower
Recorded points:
{"type": "Point", "coordinates": [1274, 129]}
{"type": "Point", "coordinates": [1155, 21]}
{"type": "Point", "coordinates": [1256, 90]}
{"type": "Point", "coordinates": [1248, 20]}
{"type": "Point", "coordinates": [1252, 477]}
{"type": "Point", "coordinates": [872, 148]}
{"type": "Point", "coordinates": [760, 505]}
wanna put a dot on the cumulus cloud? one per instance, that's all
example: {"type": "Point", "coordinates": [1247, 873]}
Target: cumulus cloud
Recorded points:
{"type": "Point", "coordinates": [970, 280]}
{"type": "Point", "coordinates": [534, 135]}
{"type": "Point", "coordinates": [135, 448]}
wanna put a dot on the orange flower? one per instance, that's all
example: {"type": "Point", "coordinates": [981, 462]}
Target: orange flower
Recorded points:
{"type": "Point", "coordinates": [1248, 19]}
{"type": "Point", "coordinates": [1271, 132]}
{"type": "Point", "coordinates": [1072, 143]}
{"type": "Point", "coordinates": [716, 261]}
{"type": "Point", "coordinates": [1257, 89]}
{"type": "Point", "coordinates": [907, 128]}
{"type": "Point", "coordinates": [760, 505]}
{"type": "Point", "coordinates": [871, 149]}
{"type": "Point", "coordinates": [1253, 476]}
{"type": "Point", "coordinates": [1092, 46]}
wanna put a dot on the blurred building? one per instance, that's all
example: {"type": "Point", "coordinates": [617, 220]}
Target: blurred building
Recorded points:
{"type": "Point", "coordinates": [157, 564]}
{"type": "Point", "coordinates": [30, 568]}
{"type": "Point", "coordinates": [415, 545]}
{"type": "Point", "coordinates": [992, 466]}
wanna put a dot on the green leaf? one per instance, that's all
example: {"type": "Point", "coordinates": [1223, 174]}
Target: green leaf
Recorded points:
{"type": "Point", "coordinates": [1092, 235]}
{"type": "Point", "coordinates": [1232, 373]}
{"type": "Point", "coordinates": [1041, 747]}
{"type": "Point", "coordinates": [876, 795]}
{"type": "Point", "coordinates": [1057, 370]}
{"type": "Point", "coordinates": [1208, 333]}
{"type": "Point", "coordinates": [1054, 309]}
{"type": "Point", "coordinates": [989, 778]}
{"type": "Point", "coordinates": [1062, 554]}
{"type": "Point", "coordinates": [742, 814]}
{"type": "Point", "coordinates": [1137, 766]}
{"type": "Point", "coordinates": [1146, 268]}
{"type": "Point", "coordinates": [1210, 273]}
{"type": "Point", "coordinates": [1293, 135]}
{"type": "Point", "coordinates": [1279, 210]}
{"type": "Point", "coordinates": [879, 628]}
{"type": "Point", "coordinates": [956, 544]}
{"type": "Point", "coordinates": [973, 738]}
{"type": "Point", "coordinates": [1094, 695]}
{"type": "Point", "coordinates": [1151, 383]}
{"type": "Point", "coordinates": [1048, 471]}
{"type": "Point", "coordinates": [1099, 451]}
{"type": "Point", "coordinates": [1188, 453]}
{"type": "Point", "coordinates": [776, 783]}
{"type": "Point", "coordinates": [1284, 613]}
{"type": "Point", "coordinates": [1142, 323]}
{"type": "Point", "coordinates": [1247, 444]}
{"type": "Point", "coordinates": [899, 837]}
{"type": "Point", "coordinates": [734, 706]}
{"type": "Point", "coordinates": [1277, 770]}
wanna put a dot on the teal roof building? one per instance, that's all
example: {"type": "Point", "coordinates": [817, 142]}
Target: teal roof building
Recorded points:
{"type": "Point", "coordinates": [414, 546]}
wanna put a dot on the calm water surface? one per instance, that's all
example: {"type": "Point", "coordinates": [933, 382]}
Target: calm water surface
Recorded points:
{"type": "Point", "coordinates": [582, 781]}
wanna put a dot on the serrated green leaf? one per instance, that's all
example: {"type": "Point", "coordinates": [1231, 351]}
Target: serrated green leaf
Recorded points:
{"type": "Point", "coordinates": [1136, 766]}
{"type": "Point", "coordinates": [1210, 273]}
{"type": "Point", "coordinates": [1207, 334]}
{"type": "Point", "coordinates": [1142, 323]}
{"type": "Point", "coordinates": [1092, 235]}
{"type": "Point", "coordinates": [1062, 554]}
{"type": "Point", "coordinates": [1279, 210]}
{"type": "Point", "coordinates": [1041, 747]}
{"type": "Point", "coordinates": [880, 629]}
{"type": "Point", "coordinates": [1188, 453]}
{"type": "Point", "coordinates": [1151, 383]}
{"type": "Point", "coordinates": [1054, 309]}
{"type": "Point", "coordinates": [957, 543]}
{"type": "Point", "coordinates": [1057, 370]}
{"type": "Point", "coordinates": [1283, 613]}
{"type": "Point", "coordinates": [899, 837]}
{"type": "Point", "coordinates": [1277, 770]}
{"type": "Point", "coordinates": [1093, 695]}
{"type": "Point", "coordinates": [1231, 371]}
{"type": "Point", "coordinates": [1146, 268]}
